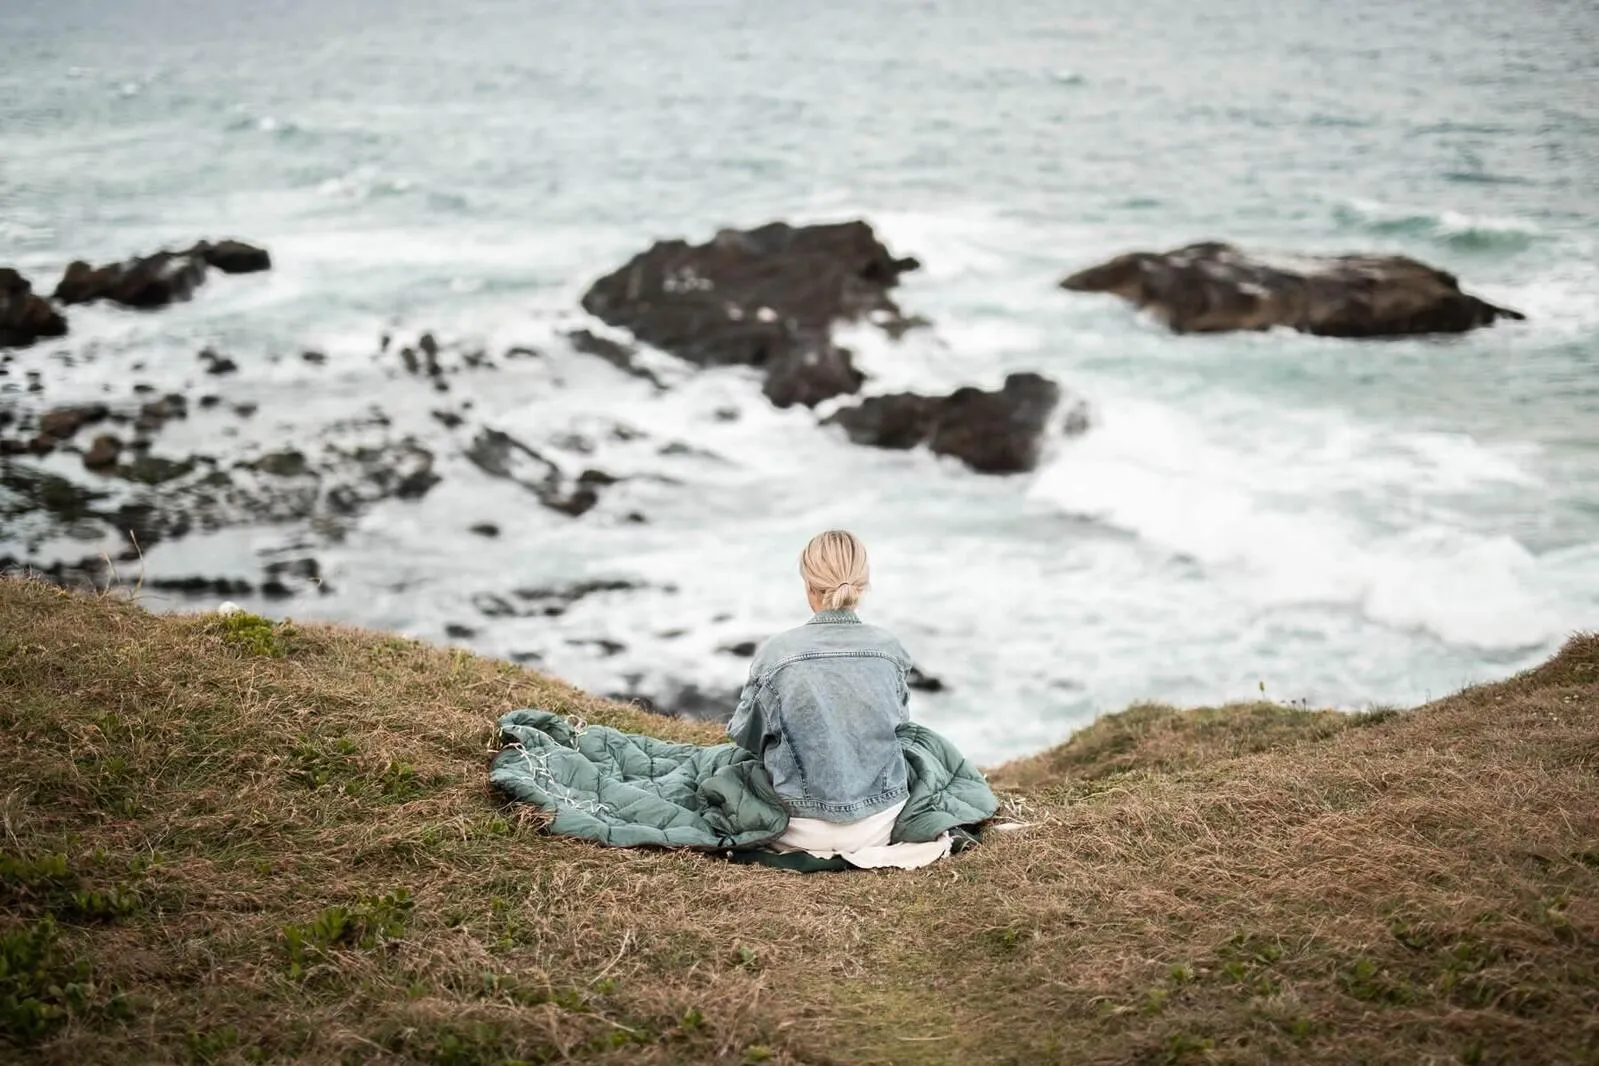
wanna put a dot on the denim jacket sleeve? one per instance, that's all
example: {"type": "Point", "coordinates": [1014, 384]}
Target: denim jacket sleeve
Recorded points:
{"type": "Point", "coordinates": [748, 727]}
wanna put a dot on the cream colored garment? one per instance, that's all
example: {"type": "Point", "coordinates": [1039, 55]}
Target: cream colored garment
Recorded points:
{"type": "Point", "coordinates": [863, 843]}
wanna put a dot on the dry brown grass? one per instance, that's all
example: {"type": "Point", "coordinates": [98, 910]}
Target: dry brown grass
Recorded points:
{"type": "Point", "coordinates": [279, 846]}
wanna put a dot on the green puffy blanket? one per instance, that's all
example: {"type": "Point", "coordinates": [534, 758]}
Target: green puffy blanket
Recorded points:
{"type": "Point", "coordinates": [628, 790]}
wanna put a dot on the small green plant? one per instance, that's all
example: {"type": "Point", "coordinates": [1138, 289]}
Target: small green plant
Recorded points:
{"type": "Point", "coordinates": [1184, 1048]}
{"type": "Point", "coordinates": [1004, 939]}
{"type": "Point", "coordinates": [257, 635]}
{"type": "Point", "coordinates": [106, 905]}
{"type": "Point", "coordinates": [50, 884]}
{"type": "Point", "coordinates": [399, 781]}
{"type": "Point", "coordinates": [317, 763]}
{"type": "Point", "coordinates": [42, 877]}
{"type": "Point", "coordinates": [1247, 960]}
{"type": "Point", "coordinates": [372, 921]}
{"type": "Point", "coordinates": [213, 1045]}
{"type": "Point", "coordinates": [322, 763]}
{"type": "Point", "coordinates": [1366, 980]}
{"type": "Point", "coordinates": [39, 988]}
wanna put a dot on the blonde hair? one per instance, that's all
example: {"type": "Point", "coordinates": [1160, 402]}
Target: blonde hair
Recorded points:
{"type": "Point", "coordinates": [834, 566]}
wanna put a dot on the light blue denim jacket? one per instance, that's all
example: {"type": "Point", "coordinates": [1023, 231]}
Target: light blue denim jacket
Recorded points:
{"type": "Point", "coordinates": [820, 709]}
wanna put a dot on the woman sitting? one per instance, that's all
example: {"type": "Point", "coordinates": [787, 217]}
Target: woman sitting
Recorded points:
{"type": "Point", "coordinates": [820, 709]}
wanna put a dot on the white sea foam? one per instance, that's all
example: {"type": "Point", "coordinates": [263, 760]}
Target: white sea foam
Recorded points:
{"type": "Point", "coordinates": [1349, 515]}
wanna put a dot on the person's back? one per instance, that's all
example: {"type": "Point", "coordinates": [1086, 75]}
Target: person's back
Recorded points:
{"type": "Point", "coordinates": [821, 708]}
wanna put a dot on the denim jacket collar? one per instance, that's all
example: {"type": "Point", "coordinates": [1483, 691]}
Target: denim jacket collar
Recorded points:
{"type": "Point", "coordinates": [826, 617]}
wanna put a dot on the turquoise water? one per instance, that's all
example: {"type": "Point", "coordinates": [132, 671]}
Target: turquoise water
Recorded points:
{"type": "Point", "coordinates": [1345, 522]}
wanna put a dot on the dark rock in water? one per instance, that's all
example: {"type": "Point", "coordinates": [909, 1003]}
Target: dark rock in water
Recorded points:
{"type": "Point", "coordinates": [449, 419]}
{"type": "Point", "coordinates": [159, 279]}
{"type": "Point", "coordinates": [807, 375]}
{"type": "Point", "coordinates": [314, 358]}
{"type": "Point", "coordinates": [287, 463]}
{"type": "Point", "coordinates": [607, 647]}
{"type": "Point", "coordinates": [233, 257]}
{"type": "Point", "coordinates": [597, 477]}
{"type": "Point", "coordinates": [90, 573]}
{"type": "Point", "coordinates": [492, 606]}
{"type": "Point", "coordinates": [416, 483]}
{"type": "Point", "coordinates": [288, 577]}
{"type": "Point", "coordinates": [201, 586]}
{"type": "Point", "coordinates": [900, 420]}
{"type": "Point", "coordinates": [485, 529]}
{"type": "Point", "coordinates": [547, 602]}
{"type": "Point", "coordinates": [245, 410]}
{"type": "Point", "coordinates": [155, 470]}
{"type": "Point", "coordinates": [401, 470]}
{"type": "Point", "coordinates": [503, 456]}
{"type": "Point", "coordinates": [992, 432]}
{"type": "Point", "coordinates": [456, 631]}
{"type": "Point", "coordinates": [153, 281]}
{"type": "Point", "coordinates": [30, 489]}
{"type": "Point", "coordinates": [63, 422]}
{"type": "Point", "coordinates": [686, 701]}
{"type": "Point", "coordinates": [917, 681]}
{"type": "Point", "coordinates": [569, 594]}
{"type": "Point", "coordinates": [997, 432]}
{"type": "Point", "coordinates": [755, 298]}
{"type": "Point", "coordinates": [621, 356]}
{"type": "Point", "coordinates": [24, 316]}
{"type": "Point", "coordinates": [103, 453]}
{"type": "Point", "coordinates": [210, 400]}
{"type": "Point", "coordinates": [1213, 287]}
{"type": "Point", "coordinates": [143, 389]}
{"type": "Point", "coordinates": [744, 649]}
{"type": "Point", "coordinates": [157, 413]}
{"type": "Point", "coordinates": [217, 364]}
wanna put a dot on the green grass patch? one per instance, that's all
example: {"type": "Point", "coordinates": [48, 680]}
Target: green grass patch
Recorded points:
{"type": "Point", "coordinates": [364, 925]}
{"type": "Point", "coordinates": [256, 635]}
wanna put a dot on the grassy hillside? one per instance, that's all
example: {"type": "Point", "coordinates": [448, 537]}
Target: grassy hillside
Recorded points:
{"type": "Point", "coordinates": [233, 842]}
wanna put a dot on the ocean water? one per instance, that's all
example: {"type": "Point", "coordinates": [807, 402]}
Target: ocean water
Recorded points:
{"type": "Point", "coordinates": [1343, 523]}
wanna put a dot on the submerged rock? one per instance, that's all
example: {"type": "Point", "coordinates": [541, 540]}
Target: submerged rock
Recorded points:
{"type": "Point", "coordinates": [153, 281]}
{"type": "Point", "coordinates": [501, 455]}
{"type": "Point", "coordinates": [998, 432]}
{"type": "Point", "coordinates": [233, 257]}
{"type": "Point", "coordinates": [103, 453]}
{"type": "Point", "coordinates": [766, 297]}
{"type": "Point", "coordinates": [685, 701]}
{"type": "Point", "coordinates": [809, 375]}
{"type": "Point", "coordinates": [1212, 287]}
{"type": "Point", "coordinates": [24, 316]}
{"type": "Point", "coordinates": [159, 279]}
{"type": "Point", "coordinates": [622, 356]}
{"type": "Point", "coordinates": [62, 423]}
{"type": "Point", "coordinates": [548, 602]}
